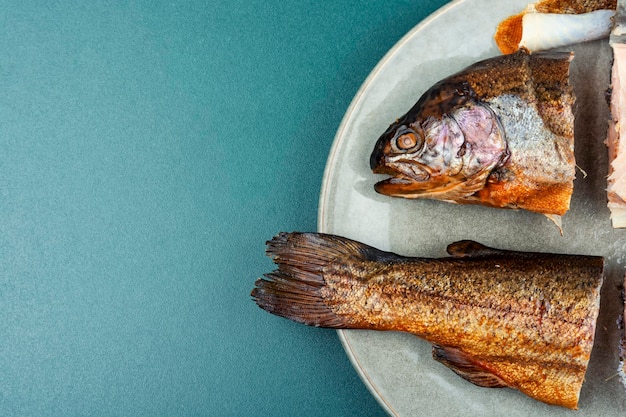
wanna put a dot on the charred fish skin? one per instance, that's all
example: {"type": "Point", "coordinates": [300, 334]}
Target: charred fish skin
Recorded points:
{"type": "Point", "coordinates": [499, 133]}
{"type": "Point", "coordinates": [496, 318]}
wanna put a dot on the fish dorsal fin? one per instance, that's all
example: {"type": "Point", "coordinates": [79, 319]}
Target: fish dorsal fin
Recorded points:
{"type": "Point", "coordinates": [463, 365]}
{"type": "Point", "coordinates": [469, 248]}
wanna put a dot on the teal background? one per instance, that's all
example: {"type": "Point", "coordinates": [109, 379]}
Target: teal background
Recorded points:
{"type": "Point", "coordinates": [148, 149]}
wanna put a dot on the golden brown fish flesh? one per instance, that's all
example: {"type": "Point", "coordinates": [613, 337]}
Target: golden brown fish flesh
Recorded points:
{"type": "Point", "coordinates": [499, 133]}
{"type": "Point", "coordinates": [497, 318]}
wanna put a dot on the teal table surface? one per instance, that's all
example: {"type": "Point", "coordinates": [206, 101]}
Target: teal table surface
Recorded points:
{"type": "Point", "coordinates": [148, 151]}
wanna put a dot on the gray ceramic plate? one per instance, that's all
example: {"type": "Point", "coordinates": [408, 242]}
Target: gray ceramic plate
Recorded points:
{"type": "Point", "coordinates": [397, 368]}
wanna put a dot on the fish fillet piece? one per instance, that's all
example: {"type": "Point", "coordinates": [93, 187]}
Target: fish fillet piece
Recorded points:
{"type": "Point", "coordinates": [553, 23]}
{"type": "Point", "coordinates": [496, 318]}
{"type": "Point", "coordinates": [616, 183]}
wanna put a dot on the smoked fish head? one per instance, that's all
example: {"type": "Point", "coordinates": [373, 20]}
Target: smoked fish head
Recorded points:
{"type": "Point", "coordinates": [498, 133]}
{"type": "Point", "coordinates": [445, 147]}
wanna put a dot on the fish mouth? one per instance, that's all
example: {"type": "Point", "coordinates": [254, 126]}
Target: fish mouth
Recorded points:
{"type": "Point", "coordinates": [428, 185]}
{"type": "Point", "coordinates": [397, 186]}
{"type": "Point", "coordinates": [407, 179]}
{"type": "Point", "coordinates": [445, 188]}
{"type": "Point", "coordinates": [411, 182]}
{"type": "Point", "coordinates": [403, 186]}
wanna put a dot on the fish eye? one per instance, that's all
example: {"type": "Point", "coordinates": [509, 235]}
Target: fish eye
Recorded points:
{"type": "Point", "coordinates": [407, 139]}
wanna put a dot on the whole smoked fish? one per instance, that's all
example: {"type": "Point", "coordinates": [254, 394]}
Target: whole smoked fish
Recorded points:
{"type": "Point", "coordinates": [499, 133]}
{"type": "Point", "coordinates": [497, 318]}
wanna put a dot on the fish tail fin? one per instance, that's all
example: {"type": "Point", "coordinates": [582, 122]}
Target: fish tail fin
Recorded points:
{"type": "Point", "coordinates": [295, 289]}
{"type": "Point", "coordinates": [294, 299]}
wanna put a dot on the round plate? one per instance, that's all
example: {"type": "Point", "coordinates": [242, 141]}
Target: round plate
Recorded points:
{"type": "Point", "coordinates": [396, 367]}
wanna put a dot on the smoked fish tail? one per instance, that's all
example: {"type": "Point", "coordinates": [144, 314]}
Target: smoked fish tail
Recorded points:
{"type": "Point", "coordinates": [497, 318]}
{"type": "Point", "coordinates": [295, 290]}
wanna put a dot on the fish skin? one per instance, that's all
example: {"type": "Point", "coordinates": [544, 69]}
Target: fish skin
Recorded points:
{"type": "Point", "coordinates": [509, 32]}
{"type": "Point", "coordinates": [511, 114]}
{"type": "Point", "coordinates": [497, 318]}
{"type": "Point", "coordinates": [573, 6]}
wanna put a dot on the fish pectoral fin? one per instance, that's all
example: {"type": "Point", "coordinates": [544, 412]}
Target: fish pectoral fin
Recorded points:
{"type": "Point", "coordinates": [469, 248]}
{"type": "Point", "coordinates": [467, 368]}
{"type": "Point", "coordinates": [557, 220]}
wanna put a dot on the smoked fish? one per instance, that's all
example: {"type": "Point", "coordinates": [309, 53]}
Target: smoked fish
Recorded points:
{"type": "Point", "coordinates": [497, 318]}
{"type": "Point", "coordinates": [498, 133]}
{"type": "Point", "coordinates": [616, 133]}
{"type": "Point", "coordinates": [549, 24]}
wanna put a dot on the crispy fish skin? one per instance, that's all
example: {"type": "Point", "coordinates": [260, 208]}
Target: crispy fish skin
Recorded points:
{"type": "Point", "coordinates": [496, 318]}
{"type": "Point", "coordinates": [499, 133]}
